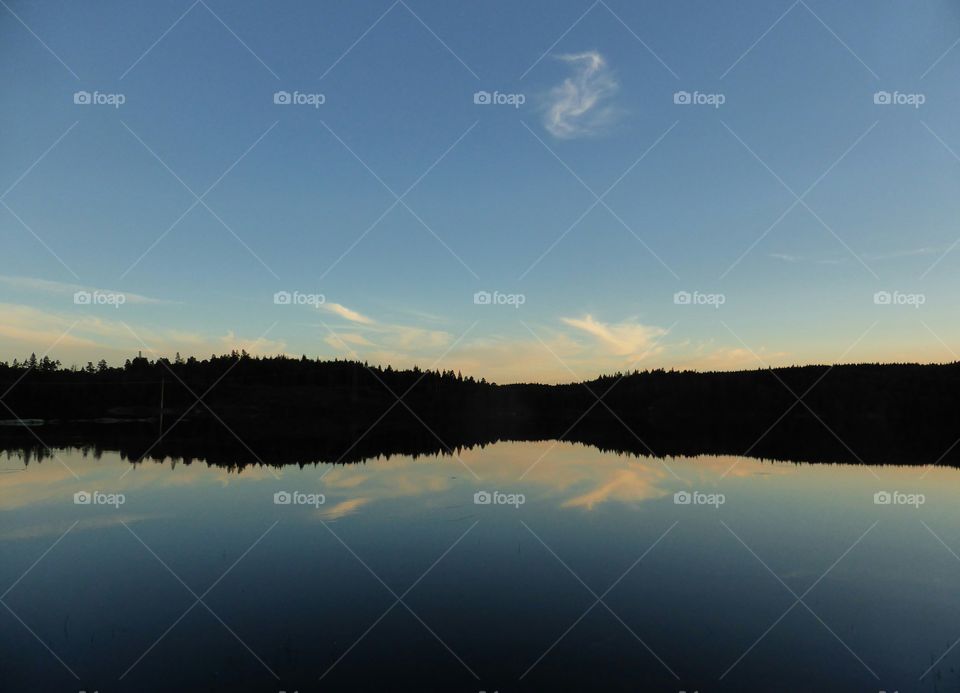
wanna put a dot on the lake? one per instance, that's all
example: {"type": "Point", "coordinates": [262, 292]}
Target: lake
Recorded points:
{"type": "Point", "coordinates": [517, 566]}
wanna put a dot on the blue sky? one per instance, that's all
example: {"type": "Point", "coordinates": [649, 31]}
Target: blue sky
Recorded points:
{"type": "Point", "coordinates": [503, 197]}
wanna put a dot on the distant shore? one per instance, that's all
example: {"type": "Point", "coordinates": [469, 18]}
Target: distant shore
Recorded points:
{"type": "Point", "coordinates": [283, 410]}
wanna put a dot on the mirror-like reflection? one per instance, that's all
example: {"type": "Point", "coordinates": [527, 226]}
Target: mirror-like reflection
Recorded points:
{"type": "Point", "coordinates": [521, 565]}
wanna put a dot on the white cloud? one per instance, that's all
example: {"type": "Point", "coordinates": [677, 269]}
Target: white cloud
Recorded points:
{"type": "Point", "coordinates": [346, 313]}
{"type": "Point", "coordinates": [398, 345]}
{"type": "Point", "coordinates": [24, 329]}
{"type": "Point", "coordinates": [48, 286]}
{"type": "Point", "coordinates": [628, 338]}
{"type": "Point", "coordinates": [579, 106]}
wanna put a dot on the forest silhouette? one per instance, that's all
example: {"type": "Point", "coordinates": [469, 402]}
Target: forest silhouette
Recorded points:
{"type": "Point", "coordinates": [237, 409]}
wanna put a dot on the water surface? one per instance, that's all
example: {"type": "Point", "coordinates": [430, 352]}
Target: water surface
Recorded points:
{"type": "Point", "coordinates": [776, 576]}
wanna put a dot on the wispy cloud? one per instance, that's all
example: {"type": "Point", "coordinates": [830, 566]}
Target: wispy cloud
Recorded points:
{"type": "Point", "coordinates": [910, 252]}
{"type": "Point", "coordinates": [873, 257]}
{"type": "Point", "coordinates": [628, 338]}
{"type": "Point", "coordinates": [47, 286]}
{"type": "Point", "coordinates": [343, 508]}
{"type": "Point", "coordinates": [579, 107]}
{"type": "Point", "coordinates": [346, 313]}
{"type": "Point", "coordinates": [786, 257]}
{"type": "Point", "coordinates": [26, 329]}
{"type": "Point", "coordinates": [398, 345]}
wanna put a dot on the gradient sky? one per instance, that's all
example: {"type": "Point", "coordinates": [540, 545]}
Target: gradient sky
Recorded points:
{"type": "Point", "coordinates": [504, 198]}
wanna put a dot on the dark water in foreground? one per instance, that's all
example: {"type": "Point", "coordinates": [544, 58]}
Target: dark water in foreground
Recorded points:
{"type": "Point", "coordinates": [399, 580]}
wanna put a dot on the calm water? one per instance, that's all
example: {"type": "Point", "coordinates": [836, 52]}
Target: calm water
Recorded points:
{"type": "Point", "coordinates": [499, 596]}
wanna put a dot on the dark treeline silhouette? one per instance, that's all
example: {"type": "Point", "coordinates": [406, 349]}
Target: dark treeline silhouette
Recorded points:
{"type": "Point", "coordinates": [282, 410]}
